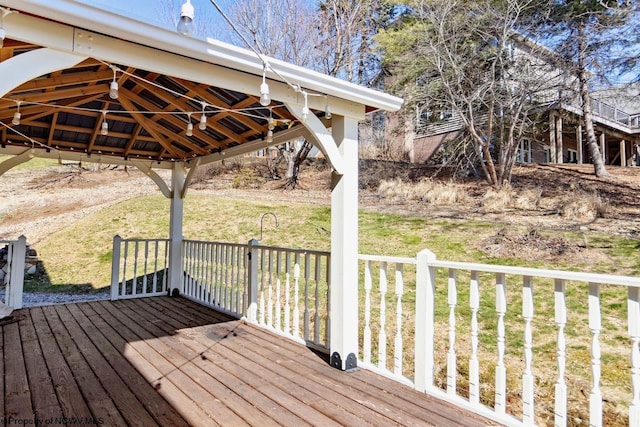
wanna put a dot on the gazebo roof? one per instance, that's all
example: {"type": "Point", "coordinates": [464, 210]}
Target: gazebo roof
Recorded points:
{"type": "Point", "coordinates": [61, 56]}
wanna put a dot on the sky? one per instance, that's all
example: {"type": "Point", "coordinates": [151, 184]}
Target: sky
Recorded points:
{"type": "Point", "coordinates": [152, 11]}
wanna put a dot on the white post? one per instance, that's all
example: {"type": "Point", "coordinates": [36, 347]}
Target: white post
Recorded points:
{"type": "Point", "coordinates": [424, 334]}
{"type": "Point", "coordinates": [344, 248]}
{"type": "Point", "coordinates": [579, 144]}
{"type": "Point", "coordinates": [115, 268]}
{"type": "Point", "coordinates": [252, 285]}
{"type": "Point", "coordinates": [16, 278]}
{"type": "Point", "coordinates": [175, 229]}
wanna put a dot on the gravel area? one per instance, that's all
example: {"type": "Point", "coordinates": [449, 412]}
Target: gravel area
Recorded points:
{"type": "Point", "coordinates": [38, 299]}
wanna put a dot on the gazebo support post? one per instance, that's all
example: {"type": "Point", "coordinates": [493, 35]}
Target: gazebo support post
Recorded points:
{"type": "Point", "coordinates": [344, 248]}
{"type": "Point", "coordinates": [175, 228]}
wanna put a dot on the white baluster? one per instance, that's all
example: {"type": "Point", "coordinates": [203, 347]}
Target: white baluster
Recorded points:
{"type": "Point", "coordinates": [366, 345]}
{"type": "Point", "coordinates": [307, 272]}
{"type": "Point", "coordinates": [316, 319]}
{"type": "Point", "coordinates": [146, 264]}
{"type": "Point", "coordinates": [382, 335]}
{"type": "Point", "coordinates": [261, 302]}
{"type": "Point", "coordinates": [296, 297]}
{"type": "Point", "coordinates": [501, 370]}
{"type": "Point", "coordinates": [561, 385]}
{"type": "Point", "coordinates": [633, 314]}
{"type": "Point", "coordinates": [287, 291]}
{"type": "Point", "coordinates": [270, 290]}
{"type": "Point", "coordinates": [528, 417]}
{"type": "Point", "coordinates": [135, 268]}
{"type": "Point", "coordinates": [124, 268]}
{"type": "Point", "coordinates": [278, 299]}
{"type": "Point", "coordinates": [595, 397]}
{"type": "Point", "coordinates": [155, 267]}
{"type": "Point", "coordinates": [474, 365]}
{"type": "Point", "coordinates": [452, 299]}
{"type": "Point", "coordinates": [397, 342]}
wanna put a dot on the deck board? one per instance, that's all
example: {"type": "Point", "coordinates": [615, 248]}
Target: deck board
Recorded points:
{"type": "Point", "coordinates": [171, 362]}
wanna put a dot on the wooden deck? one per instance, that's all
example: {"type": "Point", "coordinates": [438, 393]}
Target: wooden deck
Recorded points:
{"type": "Point", "coordinates": [170, 362]}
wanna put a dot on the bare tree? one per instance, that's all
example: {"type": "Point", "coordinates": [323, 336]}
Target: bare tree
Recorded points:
{"type": "Point", "coordinates": [466, 61]}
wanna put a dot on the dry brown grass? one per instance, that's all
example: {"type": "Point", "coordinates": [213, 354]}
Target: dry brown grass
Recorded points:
{"type": "Point", "coordinates": [426, 190]}
{"type": "Point", "coordinates": [581, 205]}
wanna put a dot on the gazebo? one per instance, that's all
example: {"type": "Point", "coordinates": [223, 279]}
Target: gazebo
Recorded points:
{"type": "Point", "coordinates": [81, 83]}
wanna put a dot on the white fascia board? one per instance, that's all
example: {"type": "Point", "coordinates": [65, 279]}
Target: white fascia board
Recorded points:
{"type": "Point", "coordinates": [99, 20]}
{"type": "Point", "coordinates": [64, 38]}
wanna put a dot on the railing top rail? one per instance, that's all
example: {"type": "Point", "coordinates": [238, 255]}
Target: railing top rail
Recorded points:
{"type": "Point", "coordinates": [294, 251]}
{"type": "Point", "coordinates": [534, 272]}
{"type": "Point", "coordinates": [389, 259]}
{"type": "Point", "coordinates": [243, 245]}
{"type": "Point", "coordinates": [144, 240]}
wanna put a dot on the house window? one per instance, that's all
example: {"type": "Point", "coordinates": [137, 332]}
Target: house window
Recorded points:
{"type": "Point", "coordinates": [446, 114]}
{"type": "Point", "coordinates": [524, 151]}
{"type": "Point", "coordinates": [572, 156]}
{"type": "Point", "coordinates": [547, 154]}
{"type": "Point", "coordinates": [423, 116]}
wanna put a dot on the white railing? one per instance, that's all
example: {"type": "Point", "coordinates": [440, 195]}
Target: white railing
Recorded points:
{"type": "Point", "coordinates": [139, 268]}
{"type": "Point", "coordinates": [215, 274]}
{"type": "Point", "coordinates": [12, 260]}
{"type": "Point", "coordinates": [467, 333]}
{"type": "Point", "coordinates": [289, 292]}
{"type": "Point", "coordinates": [284, 290]}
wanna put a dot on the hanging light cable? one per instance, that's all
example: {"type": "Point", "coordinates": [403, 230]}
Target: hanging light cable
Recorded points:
{"type": "Point", "coordinates": [104, 129]}
{"type": "Point", "coordinates": [185, 24]}
{"type": "Point", "coordinates": [17, 115]}
{"type": "Point", "coordinates": [265, 98]}
{"type": "Point", "coordinates": [203, 118]}
{"type": "Point", "coordinates": [113, 89]}
{"type": "Point", "coordinates": [271, 126]}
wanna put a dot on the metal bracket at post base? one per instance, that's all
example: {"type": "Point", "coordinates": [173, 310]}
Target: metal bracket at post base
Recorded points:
{"type": "Point", "coordinates": [351, 362]}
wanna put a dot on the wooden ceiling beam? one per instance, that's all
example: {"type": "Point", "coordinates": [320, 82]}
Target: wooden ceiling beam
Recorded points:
{"type": "Point", "coordinates": [170, 118]}
{"type": "Point", "coordinates": [132, 140]}
{"type": "Point", "coordinates": [144, 122]}
{"type": "Point", "coordinates": [62, 80]}
{"type": "Point", "coordinates": [58, 95]}
{"type": "Point", "coordinates": [181, 105]}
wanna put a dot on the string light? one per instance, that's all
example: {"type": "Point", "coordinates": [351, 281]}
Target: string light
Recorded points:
{"type": "Point", "coordinates": [327, 110]}
{"type": "Point", "coordinates": [189, 126]}
{"type": "Point", "coordinates": [17, 115]}
{"type": "Point", "coordinates": [185, 23]}
{"type": "Point", "coordinates": [104, 130]}
{"type": "Point", "coordinates": [203, 118]}
{"type": "Point", "coordinates": [271, 126]}
{"type": "Point", "coordinates": [265, 98]}
{"type": "Point", "coordinates": [113, 89]}
{"type": "Point", "coordinates": [305, 109]}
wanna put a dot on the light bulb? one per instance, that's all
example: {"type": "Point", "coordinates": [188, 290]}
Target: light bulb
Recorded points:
{"type": "Point", "coordinates": [104, 130]}
{"type": "Point", "coordinates": [189, 129]}
{"type": "Point", "coordinates": [113, 91]}
{"type": "Point", "coordinates": [272, 123]}
{"type": "Point", "coordinates": [185, 24]}
{"type": "Point", "coordinates": [3, 34]}
{"type": "Point", "coordinates": [265, 99]}
{"type": "Point", "coordinates": [269, 136]}
{"type": "Point", "coordinates": [203, 122]}
{"type": "Point", "coordinates": [16, 118]}
{"type": "Point", "coordinates": [32, 153]}
{"type": "Point", "coordinates": [305, 114]}
{"type": "Point", "coordinates": [327, 112]}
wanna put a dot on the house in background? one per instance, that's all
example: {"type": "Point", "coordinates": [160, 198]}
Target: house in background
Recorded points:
{"type": "Point", "coordinates": [558, 134]}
